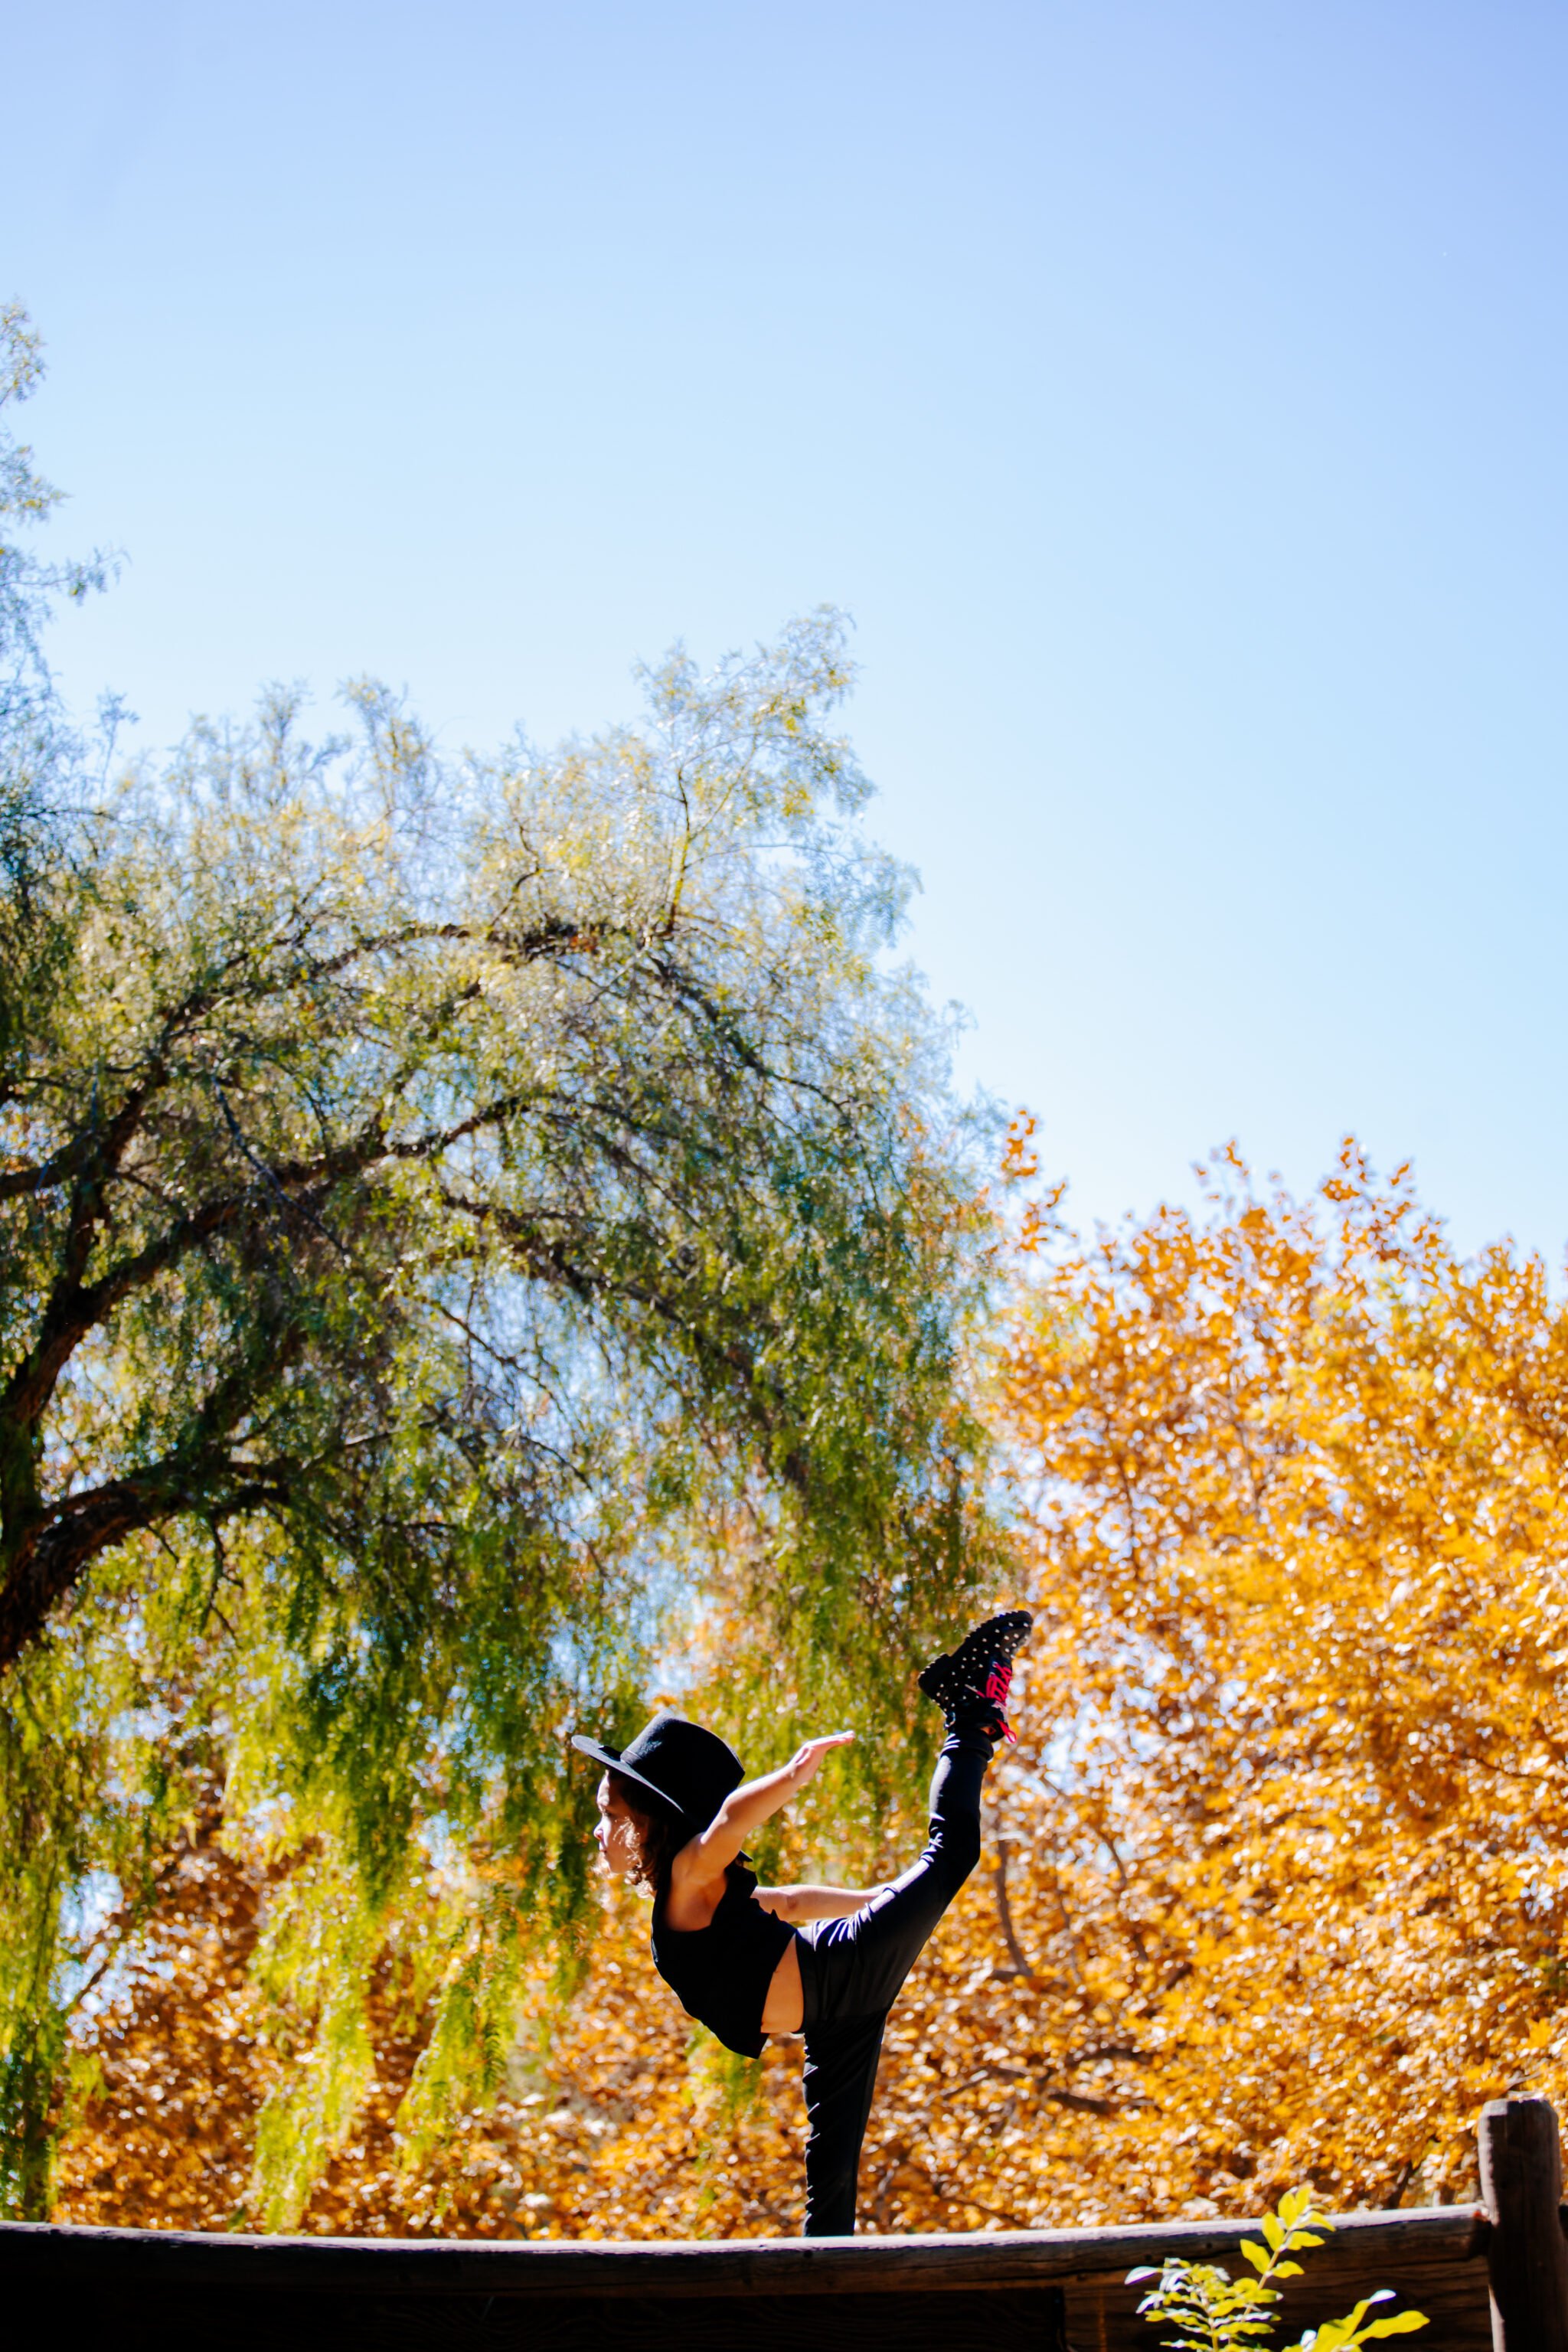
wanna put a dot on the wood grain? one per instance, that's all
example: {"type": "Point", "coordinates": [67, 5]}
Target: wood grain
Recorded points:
{"type": "Point", "coordinates": [1522, 2178]}
{"type": "Point", "coordinates": [983, 2262]}
{"type": "Point", "coordinates": [166, 2291]}
{"type": "Point", "coordinates": [1022, 2319]}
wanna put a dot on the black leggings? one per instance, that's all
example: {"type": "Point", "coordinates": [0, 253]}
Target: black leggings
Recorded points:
{"type": "Point", "coordinates": [850, 1972]}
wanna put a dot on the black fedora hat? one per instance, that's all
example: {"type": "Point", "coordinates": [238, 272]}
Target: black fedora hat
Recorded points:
{"type": "Point", "coordinates": [690, 1771]}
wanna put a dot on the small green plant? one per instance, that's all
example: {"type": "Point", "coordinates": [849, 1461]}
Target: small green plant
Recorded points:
{"type": "Point", "coordinates": [1217, 2312]}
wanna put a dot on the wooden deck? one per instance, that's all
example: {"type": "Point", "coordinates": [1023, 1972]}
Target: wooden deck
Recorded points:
{"type": "Point", "coordinates": [1029, 2291]}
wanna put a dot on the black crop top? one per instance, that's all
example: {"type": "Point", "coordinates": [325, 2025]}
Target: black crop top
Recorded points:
{"type": "Point", "coordinates": [720, 1973]}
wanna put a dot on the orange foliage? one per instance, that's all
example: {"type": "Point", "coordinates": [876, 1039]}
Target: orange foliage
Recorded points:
{"type": "Point", "coordinates": [178, 2060]}
{"type": "Point", "coordinates": [1297, 1484]}
{"type": "Point", "coordinates": [1275, 1880]}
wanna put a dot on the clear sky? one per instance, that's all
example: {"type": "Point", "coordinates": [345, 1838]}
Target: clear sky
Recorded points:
{"type": "Point", "coordinates": [1174, 394]}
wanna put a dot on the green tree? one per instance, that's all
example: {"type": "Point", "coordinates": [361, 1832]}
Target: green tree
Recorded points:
{"type": "Point", "coordinates": [455, 1216]}
{"type": "Point", "coordinates": [41, 754]}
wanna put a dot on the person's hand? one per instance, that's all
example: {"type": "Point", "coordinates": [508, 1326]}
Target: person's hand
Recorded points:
{"type": "Point", "coordinates": [803, 1764]}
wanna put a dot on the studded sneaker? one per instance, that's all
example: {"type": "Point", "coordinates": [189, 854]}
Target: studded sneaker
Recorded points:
{"type": "Point", "coordinates": [971, 1685]}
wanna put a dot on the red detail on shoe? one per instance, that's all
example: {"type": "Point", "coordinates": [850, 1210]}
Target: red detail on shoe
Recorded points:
{"type": "Point", "coordinates": [998, 1683]}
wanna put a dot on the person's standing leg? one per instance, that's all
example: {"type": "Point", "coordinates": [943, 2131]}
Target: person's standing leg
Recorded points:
{"type": "Point", "coordinates": [838, 2078]}
{"type": "Point", "coordinates": [851, 1971]}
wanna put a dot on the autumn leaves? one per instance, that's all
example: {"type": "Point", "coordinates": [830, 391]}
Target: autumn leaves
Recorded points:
{"type": "Point", "coordinates": [1273, 1889]}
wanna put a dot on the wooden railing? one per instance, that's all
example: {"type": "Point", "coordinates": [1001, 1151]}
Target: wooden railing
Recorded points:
{"type": "Point", "coordinates": [1493, 2275]}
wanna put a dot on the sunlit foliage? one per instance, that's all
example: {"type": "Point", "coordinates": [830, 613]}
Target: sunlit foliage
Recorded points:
{"type": "Point", "coordinates": [1216, 2312]}
{"type": "Point", "coordinates": [460, 1222]}
{"type": "Point", "coordinates": [1273, 1887]}
{"type": "Point", "coordinates": [1297, 1477]}
{"type": "Point", "coordinates": [484, 1244]}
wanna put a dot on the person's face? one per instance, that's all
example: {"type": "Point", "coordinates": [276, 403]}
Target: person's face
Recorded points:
{"type": "Point", "coordinates": [615, 1835]}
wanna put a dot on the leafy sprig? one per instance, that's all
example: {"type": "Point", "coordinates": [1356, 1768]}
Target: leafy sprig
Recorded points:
{"type": "Point", "coordinates": [1217, 2312]}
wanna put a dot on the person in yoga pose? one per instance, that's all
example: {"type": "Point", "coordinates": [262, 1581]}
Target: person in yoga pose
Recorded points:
{"type": "Point", "coordinates": [750, 1961]}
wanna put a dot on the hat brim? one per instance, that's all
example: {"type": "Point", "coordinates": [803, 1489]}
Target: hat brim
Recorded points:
{"type": "Point", "coordinates": [610, 1758]}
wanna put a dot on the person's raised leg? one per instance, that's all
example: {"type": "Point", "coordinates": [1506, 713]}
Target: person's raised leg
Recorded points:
{"type": "Point", "coordinates": [854, 1967]}
{"type": "Point", "coordinates": [851, 1968]}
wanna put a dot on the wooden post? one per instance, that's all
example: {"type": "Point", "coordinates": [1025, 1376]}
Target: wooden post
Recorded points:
{"type": "Point", "coordinates": [1527, 2257]}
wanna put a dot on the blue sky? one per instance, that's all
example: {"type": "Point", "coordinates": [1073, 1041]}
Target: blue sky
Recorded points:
{"type": "Point", "coordinates": [1173, 394]}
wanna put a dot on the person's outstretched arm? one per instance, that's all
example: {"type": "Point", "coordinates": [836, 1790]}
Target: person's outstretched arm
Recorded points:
{"type": "Point", "coordinates": [700, 1866]}
{"type": "Point", "coordinates": [797, 1903]}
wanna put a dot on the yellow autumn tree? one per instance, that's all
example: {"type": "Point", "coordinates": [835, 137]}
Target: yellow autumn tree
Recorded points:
{"type": "Point", "coordinates": [1274, 1885]}
{"type": "Point", "coordinates": [1295, 1479]}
